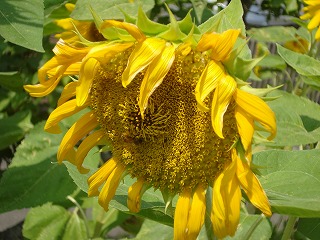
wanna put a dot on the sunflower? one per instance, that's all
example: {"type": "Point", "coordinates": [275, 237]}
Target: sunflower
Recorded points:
{"type": "Point", "coordinates": [177, 119]}
{"type": "Point", "coordinates": [312, 11]}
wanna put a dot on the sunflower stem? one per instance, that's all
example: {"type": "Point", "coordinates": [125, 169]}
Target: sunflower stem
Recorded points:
{"type": "Point", "coordinates": [83, 215]}
{"type": "Point", "coordinates": [289, 228]}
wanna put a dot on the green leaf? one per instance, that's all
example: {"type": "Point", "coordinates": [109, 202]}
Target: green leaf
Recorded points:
{"type": "Point", "coordinates": [272, 61]}
{"type": "Point", "coordinates": [298, 119]}
{"type": "Point", "coordinates": [302, 63]}
{"type": "Point", "coordinates": [277, 34]}
{"type": "Point", "coordinates": [110, 9]}
{"type": "Point", "coordinates": [21, 22]}
{"type": "Point", "coordinates": [75, 228]}
{"type": "Point", "coordinates": [45, 222]}
{"type": "Point", "coordinates": [291, 5]}
{"type": "Point", "coordinates": [11, 81]}
{"type": "Point", "coordinates": [291, 181]}
{"type": "Point", "coordinates": [228, 18]}
{"type": "Point", "coordinates": [34, 177]}
{"type": "Point", "coordinates": [14, 128]}
{"type": "Point", "coordinates": [252, 227]}
{"type": "Point", "coordinates": [152, 230]}
{"type": "Point", "coordinates": [309, 227]}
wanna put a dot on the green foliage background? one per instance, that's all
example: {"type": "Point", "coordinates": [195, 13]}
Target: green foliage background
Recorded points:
{"type": "Point", "coordinates": [289, 166]}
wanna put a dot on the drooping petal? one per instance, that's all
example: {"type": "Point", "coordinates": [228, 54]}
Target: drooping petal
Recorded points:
{"type": "Point", "coordinates": [252, 187]}
{"type": "Point", "coordinates": [100, 176]}
{"type": "Point", "coordinates": [208, 81]}
{"type": "Point", "coordinates": [181, 215]}
{"type": "Point", "coordinates": [88, 70]}
{"type": "Point", "coordinates": [220, 44]}
{"type": "Point", "coordinates": [315, 20]}
{"type": "Point", "coordinates": [134, 195]}
{"type": "Point", "coordinates": [220, 102]}
{"type": "Point", "coordinates": [258, 110]}
{"type": "Point", "coordinates": [143, 54]}
{"type": "Point", "coordinates": [109, 189]}
{"type": "Point", "coordinates": [78, 131]}
{"type": "Point", "coordinates": [132, 29]}
{"type": "Point", "coordinates": [245, 127]}
{"type": "Point", "coordinates": [69, 91]}
{"type": "Point", "coordinates": [87, 144]}
{"type": "Point", "coordinates": [226, 202]}
{"type": "Point", "coordinates": [65, 110]}
{"type": "Point", "coordinates": [155, 74]}
{"type": "Point", "coordinates": [197, 212]}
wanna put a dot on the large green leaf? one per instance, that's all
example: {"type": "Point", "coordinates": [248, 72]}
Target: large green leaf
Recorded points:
{"type": "Point", "coordinates": [11, 80]}
{"type": "Point", "coordinates": [152, 230]}
{"type": "Point", "coordinates": [278, 34]}
{"type": "Point", "coordinates": [111, 8]}
{"type": "Point", "coordinates": [228, 18]}
{"type": "Point", "coordinates": [34, 177]}
{"type": "Point", "coordinates": [21, 22]}
{"type": "Point", "coordinates": [14, 128]}
{"type": "Point", "coordinates": [298, 119]}
{"type": "Point", "coordinates": [291, 180]}
{"type": "Point", "coordinates": [309, 227]}
{"type": "Point", "coordinates": [75, 228]}
{"type": "Point", "coordinates": [45, 222]}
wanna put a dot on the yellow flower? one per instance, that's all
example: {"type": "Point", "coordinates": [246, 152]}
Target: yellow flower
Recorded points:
{"type": "Point", "coordinates": [312, 11]}
{"type": "Point", "coordinates": [175, 116]}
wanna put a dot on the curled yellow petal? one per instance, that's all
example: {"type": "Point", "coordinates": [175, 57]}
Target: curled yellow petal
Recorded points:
{"type": "Point", "coordinates": [65, 110]}
{"type": "Point", "coordinates": [155, 74]}
{"type": "Point", "coordinates": [252, 187]}
{"type": "Point", "coordinates": [220, 102]}
{"type": "Point", "coordinates": [245, 127]}
{"type": "Point", "coordinates": [87, 73]}
{"type": "Point", "coordinates": [207, 82]}
{"type": "Point", "coordinates": [256, 108]}
{"type": "Point", "coordinates": [78, 130]}
{"type": "Point", "coordinates": [86, 145]}
{"type": "Point", "coordinates": [181, 215]}
{"type": "Point", "coordinates": [134, 195]}
{"type": "Point", "coordinates": [69, 91]}
{"type": "Point", "coordinates": [100, 176]}
{"type": "Point", "coordinates": [226, 199]}
{"type": "Point", "coordinates": [143, 54]}
{"type": "Point", "coordinates": [132, 29]}
{"type": "Point", "coordinates": [109, 189]}
{"type": "Point", "coordinates": [220, 44]}
{"type": "Point", "coordinates": [196, 212]}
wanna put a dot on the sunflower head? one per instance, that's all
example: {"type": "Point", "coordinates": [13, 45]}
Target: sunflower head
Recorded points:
{"type": "Point", "coordinates": [170, 101]}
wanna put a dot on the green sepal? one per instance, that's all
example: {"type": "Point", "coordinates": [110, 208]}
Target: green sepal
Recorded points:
{"type": "Point", "coordinates": [260, 92]}
{"type": "Point", "coordinates": [167, 197]}
{"type": "Point", "coordinates": [243, 67]}
{"type": "Point", "coordinates": [127, 17]}
{"type": "Point", "coordinates": [187, 25]}
{"type": "Point", "coordinates": [173, 33]}
{"type": "Point", "coordinates": [83, 40]}
{"type": "Point", "coordinates": [147, 26]}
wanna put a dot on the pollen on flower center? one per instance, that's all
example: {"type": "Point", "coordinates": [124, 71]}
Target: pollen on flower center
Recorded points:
{"type": "Point", "coordinates": [174, 146]}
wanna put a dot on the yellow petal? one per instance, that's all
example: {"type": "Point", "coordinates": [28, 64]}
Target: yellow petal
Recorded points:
{"type": "Point", "coordinates": [258, 110]}
{"type": "Point", "coordinates": [153, 77]}
{"type": "Point", "coordinates": [65, 110]}
{"type": "Point", "coordinates": [207, 82]}
{"type": "Point", "coordinates": [220, 44]}
{"type": "Point", "coordinates": [87, 144]}
{"type": "Point", "coordinates": [87, 73]}
{"type": "Point", "coordinates": [143, 54]}
{"type": "Point", "coordinates": [69, 91]}
{"type": "Point", "coordinates": [181, 215]}
{"type": "Point", "coordinates": [132, 29]}
{"type": "Point", "coordinates": [318, 34]}
{"type": "Point", "coordinates": [134, 195]}
{"type": "Point", "coordinates": [197, 212]}
{"type": "Point", "coordinates": [252, 187]}
{"type": "Point", "coordinates": [100, 176]}
{"type": "Point", "coordinates": [245, 127]}
{"type": "Point", "coordinates": [220, 102]}
{"type": "Point", "coordinates": [315, 20]}
{"type": "Point", "coordinates": [109, 189]}
{"type": "Point", "coordinates": [226, 203]}
{"type": "Point", "coordinates": [65, 23]}
{"type": "Point", "coordinates": [78, 131]}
